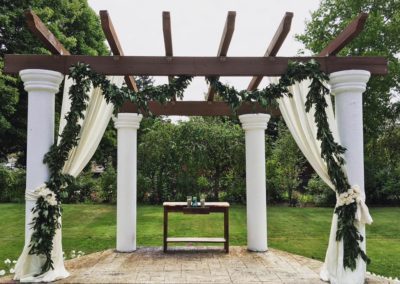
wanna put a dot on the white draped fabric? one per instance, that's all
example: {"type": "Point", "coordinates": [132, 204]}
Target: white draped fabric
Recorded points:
{"type": "Point", "coordinates": [304, 131]}
{"type": "Point", "coordinates": [96, 119]}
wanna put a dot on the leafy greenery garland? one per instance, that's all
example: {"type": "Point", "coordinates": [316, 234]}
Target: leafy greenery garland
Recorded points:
{"type": "Point", "coordinates": [331, 151]}
{"type": "Point", "coordinates": [47, 217]}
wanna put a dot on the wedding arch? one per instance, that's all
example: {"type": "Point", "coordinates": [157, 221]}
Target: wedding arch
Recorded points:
{"type": "Point", "coordinates": [302, 94]}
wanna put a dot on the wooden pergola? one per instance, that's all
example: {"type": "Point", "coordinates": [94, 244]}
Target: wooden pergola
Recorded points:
{"type": "Point", "coordinates": [43, 74]}
{"type": "Point", "coordinates": [170, 65]}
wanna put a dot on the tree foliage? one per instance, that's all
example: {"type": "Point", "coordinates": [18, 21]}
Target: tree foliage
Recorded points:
{"type": "Point", "coordinates": [200, 156]}
{"type": "Point", "coordinates": [381, 99]}
{"type": "Point", "coordinates": [73, 22]}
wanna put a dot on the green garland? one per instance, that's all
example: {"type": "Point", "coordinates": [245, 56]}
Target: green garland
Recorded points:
{"type": "Point", "coordinates": [47, 215]}
{"type": "Point", "coordinates": [331, 151]}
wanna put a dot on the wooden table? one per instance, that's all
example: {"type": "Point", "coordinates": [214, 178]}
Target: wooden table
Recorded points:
{"type": "Point", "coordinates": [210, 207]}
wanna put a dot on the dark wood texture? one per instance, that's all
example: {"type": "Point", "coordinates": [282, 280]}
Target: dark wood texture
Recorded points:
{"type": "Point", "coordinates": [210, 207]}
{"type": "Point", "coordinates": [226, 229]}
{"type": "Point", "coordinates": [192, 66]}
{"type": "Point", "coordinates": [224, 44]}
{"type": "Point", "coordinates": [274, 46]}
{"type": "Point", "coordinates": [199, 108]}
{"type": "Point", "coordinates": [115, 45]}
{"type": "Point", "coordinates": [39, 29]}
{"type": "Point", "coordinates": [165, 235]}
{"type": "Point", "coordinates": [347, 35]}
{"type": "Point", "coordinates": [196, 210]}
{"type": "Point", "coordinates": [166, 21]}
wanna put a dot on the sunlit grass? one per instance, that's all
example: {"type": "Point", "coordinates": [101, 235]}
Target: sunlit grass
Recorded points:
{"type": "Point", "coordinates": [302, 231]}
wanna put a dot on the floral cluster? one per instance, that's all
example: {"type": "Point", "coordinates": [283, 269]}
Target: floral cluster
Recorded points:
{"type": "Point", "coordinates": [350, 196]}
{"type": "Point", "coordinates": [10, 267]}
{"type": "Point", "coordinates": [48, 195]}
{"type": "Point", "coordinates": [73, 254]}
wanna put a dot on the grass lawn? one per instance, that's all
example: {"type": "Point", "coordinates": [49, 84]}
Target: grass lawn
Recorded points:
{"type": "Point", "coordinates": [302, 231]}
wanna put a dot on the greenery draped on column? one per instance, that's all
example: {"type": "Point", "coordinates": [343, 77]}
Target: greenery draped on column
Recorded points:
{"type": "Point", "coordinates": [48, 212]}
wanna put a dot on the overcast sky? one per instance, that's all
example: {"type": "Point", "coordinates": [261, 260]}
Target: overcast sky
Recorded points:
{"type": "Point", "coordinates": [197, 27]}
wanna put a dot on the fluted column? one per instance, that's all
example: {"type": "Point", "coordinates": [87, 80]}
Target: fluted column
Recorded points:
{"type": "Point", "coordinates": [127, 125]}
{"type": "Point", "coordinates": [41, 85]}
{"type": "Point", "coordinates": [348, 87]}
{"type": "Point", "coordinates": [254, 126]}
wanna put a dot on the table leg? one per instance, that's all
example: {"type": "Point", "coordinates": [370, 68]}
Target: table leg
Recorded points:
{"type": "Point", "coordinates": [165, 228]}
{"type": "Point", "coordinates": [226, 229]}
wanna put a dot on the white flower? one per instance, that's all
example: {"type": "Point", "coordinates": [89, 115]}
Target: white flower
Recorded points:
{"type": "Point", "coordinates": [2, 272]}
{"type": "Point", "coordinates": [7, 261]}
{"type": "Point", "coordinates": [14, 261]}
{"type": "Point", "coordinates": [12, 270]}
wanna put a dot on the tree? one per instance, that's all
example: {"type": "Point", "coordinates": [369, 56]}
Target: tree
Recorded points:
{"type": "Point", "coordinates": [73, 22]}
{"type": "Point", "coordinates": [381, 99]}
{"type": "Point", "coordinates": [284, 164]}
{"type": "Point", "coordinates": [200, 156]}
{"type": "Point", "coordinates": [380, 37]}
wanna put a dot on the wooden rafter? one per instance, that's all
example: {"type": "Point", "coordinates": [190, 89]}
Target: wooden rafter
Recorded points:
{"type": "Point", "coordinates": [347, 35]}
{"type": "Point", "coordinates": [192, 66]}
{"type": "Point", "coordinates": [199, 108]}
{"type": "Point", "coordinates": [224, 44]}
{"type": "Point", "coordinates": [166, 22]}
{"type": "Point", "coordinates": [39, 29]}
{"type": "Point", "coordinates": [274, 46]}
{"type": "Point", "coordinates": [113, 41]}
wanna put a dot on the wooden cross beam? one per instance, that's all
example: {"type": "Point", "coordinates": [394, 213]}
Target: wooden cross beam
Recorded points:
{"type": "Point", "coordinates": [39, 29]}
{"type": "Point", "coordinates": [224, 44]}
{"type": "Point", "coordinates": [113, 41]}
{"type": "Point", "coordinates": [274, 46]}
{"type": "Point", "coordinates": [347, 35]}
{"type": "Point", "coordinates": [191, 66]}
{"type": "Point", "coordinates": [200, 108]}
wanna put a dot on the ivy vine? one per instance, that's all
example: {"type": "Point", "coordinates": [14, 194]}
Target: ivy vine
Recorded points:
{"type": "Point", "coordinates": [47, 215]}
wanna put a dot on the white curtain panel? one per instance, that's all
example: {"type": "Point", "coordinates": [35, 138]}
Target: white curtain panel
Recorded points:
{"type": "Point", "coordinates": [304, 131]}
{"type": "Point", "coordinates": [97, 116]}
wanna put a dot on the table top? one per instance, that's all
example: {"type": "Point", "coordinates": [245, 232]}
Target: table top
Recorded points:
{"type": "Point", "coordinates": [207, 204]}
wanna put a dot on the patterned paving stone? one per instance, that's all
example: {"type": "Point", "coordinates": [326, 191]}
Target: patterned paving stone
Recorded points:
{"type": "Point", "coordinates": [195, 265]}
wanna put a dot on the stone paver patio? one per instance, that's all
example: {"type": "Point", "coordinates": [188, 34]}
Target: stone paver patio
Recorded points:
{"type": "Point", "coordinates": [151, 265]}
{"type": "Point", "coordinates": [204, 265]}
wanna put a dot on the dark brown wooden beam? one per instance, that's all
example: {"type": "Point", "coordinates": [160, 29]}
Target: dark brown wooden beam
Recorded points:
{"type": "Point", "coordinates": [274, 46]}
{"type": "Point", "coordinates": [224, 44]}
{"type": "Point", "coordinates": [348, 34]}
{"type": "Point", "coordinates": [39, 29]}
{"type": "Point", "coordinates": [199, 108]}
{"type": "Point", "coordinates": [166, 21]}
{"type": "Point", "coordinates": [113, 41]}
{"type": "Point", "coordinates": [191, 66]}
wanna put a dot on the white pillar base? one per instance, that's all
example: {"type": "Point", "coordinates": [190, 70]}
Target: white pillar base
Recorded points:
{"type": "Point", "coordinates": [256, 197]}
{"type": "Point", "coordinates": [41, 85]}
{"type": "Point", "coordinates": [127, 125]}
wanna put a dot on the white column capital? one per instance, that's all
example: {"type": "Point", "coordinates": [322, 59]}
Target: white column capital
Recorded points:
{"type": "Point", "coordinates": [41, 80]}
{"type": "Point", "coordinates": [128, 120]}
{"type": "Point", "coordinates": [254, 121]}
{"type": "Point", "coordinates": [349, 81]}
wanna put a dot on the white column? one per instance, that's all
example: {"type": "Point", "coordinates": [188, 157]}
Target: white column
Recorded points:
{"type": "Point", "coordinates": [41, 85]}
{"type": "Point", "coordinates": [348, 87]}
{"type": "Point", "coordinates": [254, 126]}
{"type": "Point", "coordinates": [127, 125]}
